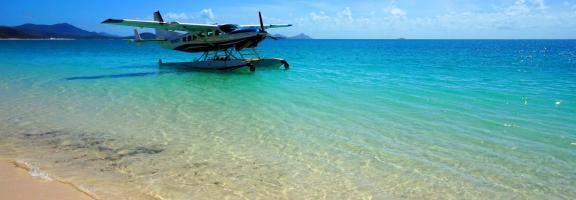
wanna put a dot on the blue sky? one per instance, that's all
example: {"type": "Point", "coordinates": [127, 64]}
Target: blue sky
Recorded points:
{"type": "Point", "coordinates": [323, 18]}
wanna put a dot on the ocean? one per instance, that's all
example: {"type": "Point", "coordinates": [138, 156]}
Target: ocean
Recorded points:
{"type": "Point", "coordinates": [350, 119]}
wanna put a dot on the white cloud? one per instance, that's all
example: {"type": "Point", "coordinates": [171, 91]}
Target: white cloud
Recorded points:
{"type": "Point", "coordinates": [319, 17]}
{"type": "Point", "coordinates": [395, 11]}
{"type": "Point", "coordinates": [177, 16]}
{"type": "Point", "coordinates": [518, 19]}
{"type": "Point", "coordinates": [341, 17]}
{"type": "Point", "coordinates": [207, 14]}
{"type": "Point", "coordinates": [522, 7]}
{"type": "Point", "coordinates": [346, 14]}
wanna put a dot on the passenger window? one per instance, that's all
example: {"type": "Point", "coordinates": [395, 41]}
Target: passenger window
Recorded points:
{"type": "Point", "coordinates": [184, 39]}
{"type": "Point", "coordinates": [189, 38]}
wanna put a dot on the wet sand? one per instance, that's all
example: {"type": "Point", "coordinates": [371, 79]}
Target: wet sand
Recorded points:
{"type": "Point", "coordinates": [17, 184]}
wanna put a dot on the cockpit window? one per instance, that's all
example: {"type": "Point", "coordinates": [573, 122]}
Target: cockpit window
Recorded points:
{"type": "Point", "coordinates": [227, 28]}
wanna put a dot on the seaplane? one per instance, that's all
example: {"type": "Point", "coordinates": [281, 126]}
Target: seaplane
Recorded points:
{"type": "Point", "coordinates": [222, 47]}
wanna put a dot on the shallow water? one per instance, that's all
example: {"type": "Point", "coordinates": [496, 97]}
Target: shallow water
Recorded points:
{"type": "Point", "coordinates": [351, 119]}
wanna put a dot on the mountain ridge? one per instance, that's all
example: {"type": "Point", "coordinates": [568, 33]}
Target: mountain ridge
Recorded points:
{"type": "Point", "coordinates": [56, 30]}
{"type": "Point", "coordinates": [59, 30]}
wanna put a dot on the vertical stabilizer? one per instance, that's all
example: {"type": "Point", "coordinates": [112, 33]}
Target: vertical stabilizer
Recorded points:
{"type": "Point", "coordinates": [161, 34]}
{"type": "Point", "coordinates": [158, 17]}
{"type": "Point", "coordinates": [137, 36]}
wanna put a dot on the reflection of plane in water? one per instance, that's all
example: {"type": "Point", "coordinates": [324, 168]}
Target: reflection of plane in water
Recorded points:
{"type": "Point", "coordinates": [225, 46]}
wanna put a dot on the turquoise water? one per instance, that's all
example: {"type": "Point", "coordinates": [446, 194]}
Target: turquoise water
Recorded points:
{"type": "Point", "coordinates": [351, 119]}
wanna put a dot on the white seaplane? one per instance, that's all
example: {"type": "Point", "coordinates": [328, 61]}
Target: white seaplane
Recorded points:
{"type": "Point", "coordinates": [226, 46]}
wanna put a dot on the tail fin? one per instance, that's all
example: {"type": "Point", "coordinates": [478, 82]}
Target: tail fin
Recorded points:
{"type": "Point", "coordinates": [137, 36]}
{"type": "Point", "coordinates": [161, 34]}
{"type": "Point", "coordinates": [138, 39]}
{"type": "Point", "coordinates": [158, 17]}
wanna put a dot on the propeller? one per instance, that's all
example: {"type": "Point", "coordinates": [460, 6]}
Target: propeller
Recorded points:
{"type": "Point", "coordinates": [261, 22]}
{"type": "Point", "coordinates": [262, 30]}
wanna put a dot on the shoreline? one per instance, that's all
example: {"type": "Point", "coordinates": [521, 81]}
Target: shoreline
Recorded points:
{"type": "Point", "coordinates": [17, 183]}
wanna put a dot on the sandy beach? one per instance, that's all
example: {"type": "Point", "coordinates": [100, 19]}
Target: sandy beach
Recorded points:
{"type": "Point", "coordinates": [17, 184]}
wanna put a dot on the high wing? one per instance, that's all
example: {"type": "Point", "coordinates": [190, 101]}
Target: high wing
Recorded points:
{"type": "Point", "coordinates": [172, 26]}
{"type": "Point", "coordinates": [266, 26]}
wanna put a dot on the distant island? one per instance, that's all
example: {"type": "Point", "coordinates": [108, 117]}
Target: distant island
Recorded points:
{"type": "Point", "coordinates": [58, 31]}
{"type": "Point", "coordinates": [68, 31]}
{"type": "Point", "coordinates": [61, 30]}
{"type": "Point", "coordinates": [300, 36]}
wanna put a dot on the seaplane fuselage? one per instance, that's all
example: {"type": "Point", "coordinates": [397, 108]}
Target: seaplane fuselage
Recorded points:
{"type": "Point", "coordinates": [215, 41]}
{"type": "Point", "coordinates": [199, 37]}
